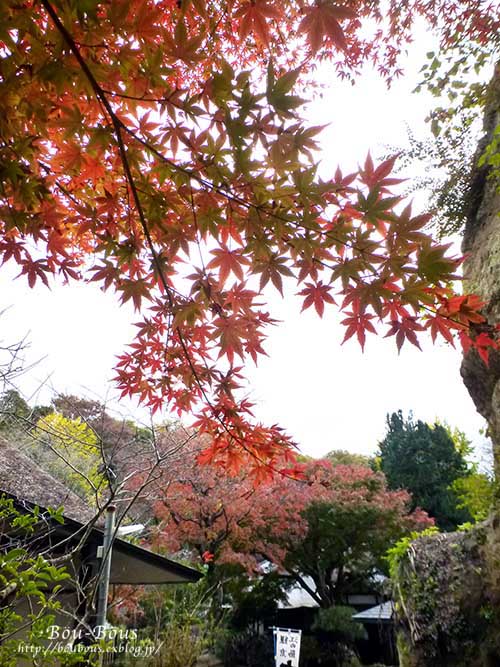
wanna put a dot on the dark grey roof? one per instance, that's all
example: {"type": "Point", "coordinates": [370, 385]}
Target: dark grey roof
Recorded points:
{"type": "Point", "coordinates": [22, 479]}
{"type": "Point", "coordinates": [381, 613]}
{"type": "Point", "coordinates": [20, 476]}
{"type": "Point", "coordinates": [131, 564]}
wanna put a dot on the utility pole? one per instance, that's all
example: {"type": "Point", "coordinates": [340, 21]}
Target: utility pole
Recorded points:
{"type": "Point", "coordinates": [104, 552]}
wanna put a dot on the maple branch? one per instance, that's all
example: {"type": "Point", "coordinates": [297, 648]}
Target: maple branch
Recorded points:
{"type": "Point", "coordinates": [118, 126]}
{"type": "Point", "coordinates": [233, 197]}
{"type": "Point", "coordinates": [158, 100]}
{"type": "Point", "coordinates": [226, 191]}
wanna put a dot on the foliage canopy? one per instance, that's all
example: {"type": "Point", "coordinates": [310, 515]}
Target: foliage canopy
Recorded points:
{"type": "Point", "coordinates": [331, 527]}
{"type": "Point", "coordinates": [157, 149]}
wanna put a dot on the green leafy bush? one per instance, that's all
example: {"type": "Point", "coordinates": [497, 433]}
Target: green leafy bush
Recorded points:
{"type": "Point", "coordinates": [398, 551]}
{"type": "Point", "coordinates": [26, 576]}
{"type": "Point", "coordinates": [338, 621]}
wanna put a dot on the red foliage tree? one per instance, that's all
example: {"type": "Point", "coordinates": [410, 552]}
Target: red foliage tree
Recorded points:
{"type": "Point", "coordinates": [211, 513]}
{"type": "Point", "coordinates": [333, 526]}
{"type": "Point", "coordinates": [143, 147]}
{"type": "Point", "coordinates": [349, 521]}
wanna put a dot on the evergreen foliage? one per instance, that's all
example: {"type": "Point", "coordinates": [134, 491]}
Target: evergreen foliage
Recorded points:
{"type": "Point", "coordinates": [425, 461]}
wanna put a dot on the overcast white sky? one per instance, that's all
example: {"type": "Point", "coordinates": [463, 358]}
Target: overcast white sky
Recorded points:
{"type": "Point", "coordinates": [327, 396]}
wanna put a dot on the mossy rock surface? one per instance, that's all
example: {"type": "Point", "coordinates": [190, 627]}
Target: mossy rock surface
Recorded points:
{"type": "Point", "coordinates": [447, 608]}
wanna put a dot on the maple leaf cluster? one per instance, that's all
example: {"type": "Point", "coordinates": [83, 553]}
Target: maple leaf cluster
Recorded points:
{"type": "Point", "coordinates": [155, 148]}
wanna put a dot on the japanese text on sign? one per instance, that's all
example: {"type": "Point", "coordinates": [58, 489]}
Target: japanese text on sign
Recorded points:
{"type": "Point", "coordinates": [287, 647]}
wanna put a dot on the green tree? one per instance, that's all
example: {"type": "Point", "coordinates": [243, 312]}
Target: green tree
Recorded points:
{"type": "Point", "coordinates": [342, 457]}
{"type": "Point", "coordinates": [425, 461]}
{"type": "Point", "coordinates": [336, 634]}
{"type": "Point", "coordinates": [17, 417]}
{"type": "Point", "coordinates": [475, 494]}
{"type": "Point", "coordinates": [347, 538]}
{"type": "Point", "coordinates": [13, 408]}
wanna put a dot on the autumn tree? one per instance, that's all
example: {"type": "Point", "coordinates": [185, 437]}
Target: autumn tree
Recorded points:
{"type": "Point", "coordinates": [68, 449]}
{"type": "Point", "coordinates": [122, 442]}
{"type": "Point", "coordinates": [334, 525]}
{"type": "Point", "coordinates": [74, 439]}
{"type": "Point", "coordinates": [349, 521]}
{"type": "Point", "coordinates": [204, 509]}
{"type": "Point", "coordinates": [158, 150]}
{"type": "Point", "coordinates": [99, 455]}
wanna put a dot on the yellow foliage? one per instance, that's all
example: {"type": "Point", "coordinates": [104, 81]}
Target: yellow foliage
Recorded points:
{"type": "Point", "coordinates": [69, 449]}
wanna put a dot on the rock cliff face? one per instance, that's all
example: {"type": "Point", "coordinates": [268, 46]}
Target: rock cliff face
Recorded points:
{"type": "Point", "coordinates": [448, 587]}
{"type": "Point", "coordinates": [482, 274]}
{"type": "Point", "coordinates": [443, 604]}
{"type": "Point", "coordinates": [448, 600]}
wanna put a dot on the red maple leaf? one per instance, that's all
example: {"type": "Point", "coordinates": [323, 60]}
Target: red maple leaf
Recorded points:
{"type": "Point", "coordinates": [317, 295]}
{"type": "Point", "coordinates": [483, 344]}
{"type": "Point", "coordinates": [34, 269]}
{"type": "Point", "coordinates": [254, 17]}
{"type": "Point", "coordinates": [358, 323]}
{"type": "Point", "coordinates": [378, 176]}
{"type": "Point", "coordinates": [136, 290]}
{"type": "Point", "coordinates": [405, 329]}
{"type": "Point", "coordinates": [321, 21]}
{"type": "Point", "coordinates": [442, 326]}
{"type": "Point", "coordinates": [227, 261]}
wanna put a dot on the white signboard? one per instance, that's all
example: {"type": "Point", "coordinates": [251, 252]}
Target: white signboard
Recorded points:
{"type": "Point", "coordinates": [286, 647]}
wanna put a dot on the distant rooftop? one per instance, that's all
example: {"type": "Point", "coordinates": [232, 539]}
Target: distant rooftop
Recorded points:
{"type": "Point", "coordinates": [296, 596]}
{"type": "Point", "coordinates": [381, 613]}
